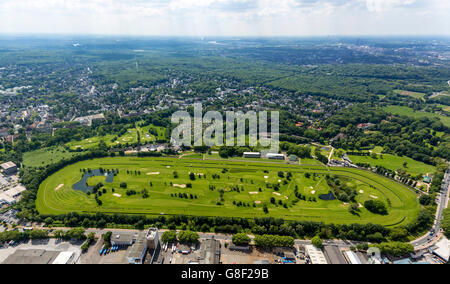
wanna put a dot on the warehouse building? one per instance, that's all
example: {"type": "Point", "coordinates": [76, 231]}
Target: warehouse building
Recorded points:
{"type": "Point", "coordinates": [32, 256]}
{"type": "Point", "coordinates": [252, 155]}
{"type": "Point", "coordinates": [352, 257]}
{"type": "Point", "coordinates": [11, 196]}
{"type": "Point", "coordinates": [65, 257]}
{"type": "Point", "coordinates": [334, 255]}
{"type": "Point", "coordinates": [315, 255]}
{"type": "Point", "coordinates": [210, 252]}
{"type": "Point", "coordinates": [273, 156]}
{"type": "Point", "coordinates": [123, 239]}
{"type": "Point", "coordinates": [136, 254]}
{"type": "Point", "coordinates": [140, 243]}
{"type": "Point", "coordinates": [8, 168]}
{"type": "Point", "coordinates": [3, 182]}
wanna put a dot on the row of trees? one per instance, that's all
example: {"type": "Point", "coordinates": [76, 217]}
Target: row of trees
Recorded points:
{"type": "Point", "coordinates": [271, 241]}
{"type": "Point", "coordinates": [258, 226]}
{"type": "Point", "coordinates": [184, 237]}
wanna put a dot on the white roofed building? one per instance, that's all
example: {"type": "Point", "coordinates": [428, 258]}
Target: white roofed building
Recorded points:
{"type": "Point", "coordinates": [65, 257]}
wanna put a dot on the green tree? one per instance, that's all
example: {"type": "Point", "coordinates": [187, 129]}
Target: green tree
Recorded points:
{"type": "Point", "coordinates": [169, 237]}
{"type": "Point", "coordinates": [241, 239]}
{"type": "Point", "coordinates": [317, 242]}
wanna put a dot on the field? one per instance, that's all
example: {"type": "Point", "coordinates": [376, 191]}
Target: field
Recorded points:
{"type": "Point", "coordinates": [410, 94]}
{"type": "Point", "coordinates": [395, 162]}
{"type": "Point", "coordinates": [46, 156]}
{"type": "Point", "coordinates": [401, 110]}
{"type": "Point", "coordinates": [130, 137]}
{"type": "Point", "coordinates": [56, 195]}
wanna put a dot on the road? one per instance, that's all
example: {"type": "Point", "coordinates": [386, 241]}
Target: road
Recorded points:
{"type": "Point", "coordinates": [331, 153]}
{"type": "Point", "coordinates": [430, 240]}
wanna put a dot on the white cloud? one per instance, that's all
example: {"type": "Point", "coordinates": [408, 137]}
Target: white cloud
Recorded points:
{"type": "Point", "coordinates": [226, 17]}
{"type": "Point", "coordinates": [384, 5]}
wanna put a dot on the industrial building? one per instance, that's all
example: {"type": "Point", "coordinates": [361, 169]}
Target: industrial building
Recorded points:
{"type": "Point", "coordinates": [352, 258]}
{"type": "Point", "coordinates": [123, 239]}
{"type": "Point", "coordinates": [8, 168]}
{"type": "Point", "coordinates": [11, 196]}
{"type": "Point", "coordinates": [252, 155]}
{"type": "Point", "coordinates": [136, 254]}
{"type": "Point", "coordinates": [334, 255]}
{"type": "Point", "coordinates": [142, 242]}
{"type": "Point", "coordinates": [65, 257]}
{"type": "Point", "coordinates": [3, 182]}
{"type": "Point", "coordinates": [273, 156]}
{"type": "Point", "coordinates": [40, 256]}
{"type": "Point", "coordinates": [210, 252]}
{"type": "Point", "coordinates": [316, 255]}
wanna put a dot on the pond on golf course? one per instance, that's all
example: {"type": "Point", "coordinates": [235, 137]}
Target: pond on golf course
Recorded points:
{"type": "Point", "coordinates": [327, 197]}
{"type": "Point", "coordinates": [82, 184]}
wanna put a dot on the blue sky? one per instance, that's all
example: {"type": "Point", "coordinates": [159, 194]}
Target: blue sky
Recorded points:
{"type": "Point", "coordinates": [227, 17]}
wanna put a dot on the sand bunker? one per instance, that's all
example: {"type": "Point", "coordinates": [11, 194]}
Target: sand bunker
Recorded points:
{"type": "Point", "coordinates": [374, 197]}
{"type": "Point", "coordinates": [59, 187]}
{"type": "Point", "coordinates": [168, 167]}
{"type": "Point", "coordinates": [279, 180]}
{"type": "Point", "coordinates": [266, 177]}
{"type": "Point", "coordinates": [117, 195]}
{"type": "Point", "coordinates": [361, 191]}
{"type": "Point", "coordinates": [253, 192]}
{"type": "Point", "coordinates": [313, 192]}
{"type": "Point", "coordinates": [360, 205]}
{"type": "Point", "coordinates": [276, 193]}
{"type": "Point", "coordinates": [257, 202]}
{"type": "Point", "coordinates": [179, 185]}
{"type": "Point", "coordinates": [154, 173]}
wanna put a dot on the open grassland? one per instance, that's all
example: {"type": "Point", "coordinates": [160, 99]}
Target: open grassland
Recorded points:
{"type": "Point", "coordinates": [56, 195]}
{"type": "Point", "coordinates": [394, 163]}
{"type": "Point", "coordinates": [46, 156]}
{"type": "Point", "coordinates": [415, 95]}
{"type": "Point", "coordinates": [406, 111]}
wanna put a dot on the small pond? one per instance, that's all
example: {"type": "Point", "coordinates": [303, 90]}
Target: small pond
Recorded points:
{"type": "Point", "coordinates": [82, 184]}
{"type": "Point", "coordinates": [327, 197]}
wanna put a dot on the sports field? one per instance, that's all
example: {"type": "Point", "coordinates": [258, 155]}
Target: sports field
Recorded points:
{"type": "Point", "coordinates": [56, 195]}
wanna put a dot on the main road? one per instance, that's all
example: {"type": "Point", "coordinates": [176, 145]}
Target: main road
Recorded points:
{"type": "Point", "coordinates": [435, 234]}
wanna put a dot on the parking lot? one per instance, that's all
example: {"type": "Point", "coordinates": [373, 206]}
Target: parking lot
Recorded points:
{"type": "Point", "coordinates": [9, 217]}
{"type": "Point", "coordinates": [92, 256]}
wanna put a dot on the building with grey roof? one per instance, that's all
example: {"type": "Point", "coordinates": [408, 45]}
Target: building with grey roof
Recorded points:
{"type": "Point", "coordinates": [210, 252]}
{"type": "Point", "coordinates": [334, 255]}
{"type": "Point", "coordinates": [8, 168]}
{"type": "Point", "coordinates": [32, 256]}
{"type": "Point", "coordinates": [136, 254]}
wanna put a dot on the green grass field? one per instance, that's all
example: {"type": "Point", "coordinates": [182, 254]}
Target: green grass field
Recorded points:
{"type": "Point", "coordinates": [46, 156]}
{"type": "Point", "coordinates": [130, 137]}
{"type": "Point", "coordinates": [395, 162]}
{"type": "Point", "coordinates": [415, 95]}
{"type": "Point", "coordinates": [406, 111]}
{"type": "Point", "coordinates": [56, 195]}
